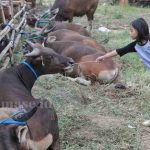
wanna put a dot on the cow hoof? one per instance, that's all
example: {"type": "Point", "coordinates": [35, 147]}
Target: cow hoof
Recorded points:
{"type": "Point", "coordinates": [83, 81]}
{"type": "Point", "coordinates": [80, 80]}
{"type": "Point", "coordinates": [120, 86]}
{"type": "Point", "coordinates": [146, 123]}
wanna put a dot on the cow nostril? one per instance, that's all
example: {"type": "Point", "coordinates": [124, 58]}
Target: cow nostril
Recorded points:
{"type": "Point", "coordinates": [71, 62]}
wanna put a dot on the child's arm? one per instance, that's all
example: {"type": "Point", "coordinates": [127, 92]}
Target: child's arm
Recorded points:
{"type": "Point", "coordinates": [121, 51]}
{"type": "Point", "coordinates": [107, 55]}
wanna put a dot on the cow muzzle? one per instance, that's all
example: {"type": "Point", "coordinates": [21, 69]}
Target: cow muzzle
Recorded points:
{"type": "Point", "coordinates": [70, 66]}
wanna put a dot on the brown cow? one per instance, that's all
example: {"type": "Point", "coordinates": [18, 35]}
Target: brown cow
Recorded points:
{"type": "Point", "coordinates": [70, 8]}
{"type": "Point", "coordinates": [86, 67]}
{"type": "Point", "coordinates": [68, 35]}
{"type": "Point", "coordinates": [56, 25]}
{"type": "Point", "coordinates": [41, 131]}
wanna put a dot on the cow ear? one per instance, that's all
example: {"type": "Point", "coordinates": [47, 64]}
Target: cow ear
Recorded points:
{"type": "Point", "coordinates": [51, 39]}
{"type": "Point", "coordinates": [21, 132]}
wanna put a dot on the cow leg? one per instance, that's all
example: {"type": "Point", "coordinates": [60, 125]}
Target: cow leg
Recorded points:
{"type": "Point", "coordinates": [90, 20]}
{"type": "Point", "coordinates": [80, 80]}
{"type": "Point", "coordinates": [70, 19]}
{"type": "Point", "coordinates": [90, 25]}
{"type": "Point", "coordinates": [90, 15]}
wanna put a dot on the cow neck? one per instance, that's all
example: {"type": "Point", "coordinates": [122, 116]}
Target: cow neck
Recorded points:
{"type": "Point", "coordinates": [28, 73]}
{"type": "Point", "coordinates": [52, 24]}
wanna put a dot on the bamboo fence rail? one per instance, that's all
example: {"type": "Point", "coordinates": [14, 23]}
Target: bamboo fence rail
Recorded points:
{"type": "Point", "coordinates": [16, 30]}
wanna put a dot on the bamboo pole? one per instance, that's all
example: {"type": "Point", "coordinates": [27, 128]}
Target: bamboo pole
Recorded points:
{"type": "Point", "coordinates": [11, 8]}
{"type": "Point", "coordinates": [22, 2]}
{"type": "Point", "coordinates": [10, 44]}
{"type": "Point", "coordinates": [2, 12]}
{"type": "Point", "coordinates": [11, 56]}
{"type": "Point", "coordinates": [5, 64]}
{"type": "Point", "coordinates": [5, 31]}
{"type": "Point", "coordinates": [18, 36]}
{"type": "Point", "coordinates": [10, 25]}
{"type": "Point", "coordinates": [13, 43]}
{"type": "Point", "coordinates": [22, 21]}
{"type": "Point", "coordinates": [17, 14]}
{"type": "Point", "coordinates": [14, 2]}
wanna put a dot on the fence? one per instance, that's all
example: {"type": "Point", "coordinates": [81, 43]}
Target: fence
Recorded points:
{"type": "Point", "coordinates": [12, 31]}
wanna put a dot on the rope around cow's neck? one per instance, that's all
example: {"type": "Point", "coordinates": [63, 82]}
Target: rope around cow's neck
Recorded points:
{"type": "Point", "coordinates": [86, 62]}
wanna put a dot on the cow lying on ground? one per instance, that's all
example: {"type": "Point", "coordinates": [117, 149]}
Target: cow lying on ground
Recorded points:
{"type": "Point", "coordinates": [68, 35]}
{"type": "Point", "coordinates": [34, 14]}
{"type": "Point", "coordinates": [86, 67]}
{"type": "Point", "coordinates": [41, 131]}
{"type": "Point", "coordinates": [56, 25]}
{"type": "Point", "coordinates": [70, 8]}
{"type": "Point", "coordinates": [40, 16]}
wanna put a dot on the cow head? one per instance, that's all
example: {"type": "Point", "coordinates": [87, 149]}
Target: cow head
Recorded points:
{"type": "Point", "coordinates": [35, 21]}
{"type": "Point", "coordinates": [52, 61]}
{"type": "Point", "coordinates": [14, 135]}
{"type": "Point", "coordinates": [31, 19]}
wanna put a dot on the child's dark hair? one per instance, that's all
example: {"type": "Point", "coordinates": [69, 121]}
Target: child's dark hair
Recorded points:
{"type": "Point", "coordinates": [142, 27]}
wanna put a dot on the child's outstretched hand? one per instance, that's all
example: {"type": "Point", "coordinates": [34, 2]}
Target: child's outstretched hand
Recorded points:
{"type": "Point", "coordinates": [99, 59]}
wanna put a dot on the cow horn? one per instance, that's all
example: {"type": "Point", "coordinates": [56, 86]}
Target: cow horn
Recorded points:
{"type": "Point", "coordinates": [25, 116]}
{"type": "Point", "coordinates": [43, 29]}
{"type": "Point", "coordinates": [30, 43]}
{"type": "Point", "coordinates": [36, 52]}
{"type": "Point", "coordinates": [55, 11]}
{"type": "Point", "coordinates": [39, 50]}
{"type": "Point", "coordinates": [36, 17]}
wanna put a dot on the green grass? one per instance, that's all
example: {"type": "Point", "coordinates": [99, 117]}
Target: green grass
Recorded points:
{"type": "Point", "coordinates": [97, 117]}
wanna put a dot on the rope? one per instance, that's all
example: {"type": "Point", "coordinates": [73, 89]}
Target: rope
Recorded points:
{"type": "Point", "coordinates": [86, 62]}
{"type": "Point", "coordinates": [9, 25]}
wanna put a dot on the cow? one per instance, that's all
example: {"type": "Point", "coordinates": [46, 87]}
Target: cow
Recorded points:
{"type": "Point", "coordinates": [40, 16]}
{"type": "Point", "coordinates": [33, 130]}
{"type": "Point", "coordinates": [86, 67]}
{"type": "Point", "coordinates": [57, 25]}
{"type": "Point", "coordinates": [70, 8]}
{"type": "Point", "coordinates": [68, 35]}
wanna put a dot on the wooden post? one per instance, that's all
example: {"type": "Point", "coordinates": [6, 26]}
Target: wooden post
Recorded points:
{"type": "Point", "coordinates": [22, 3]}
{"type": "Point", "coordinates": [2, 12]}
{"type": "Point", "coordinates": [123, 2]}
{"type": "Point", "coordinates": [11, 8]}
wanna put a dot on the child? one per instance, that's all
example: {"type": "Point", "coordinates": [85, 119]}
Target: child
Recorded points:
{"type": "Point", "coordinates": [139, 32]}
